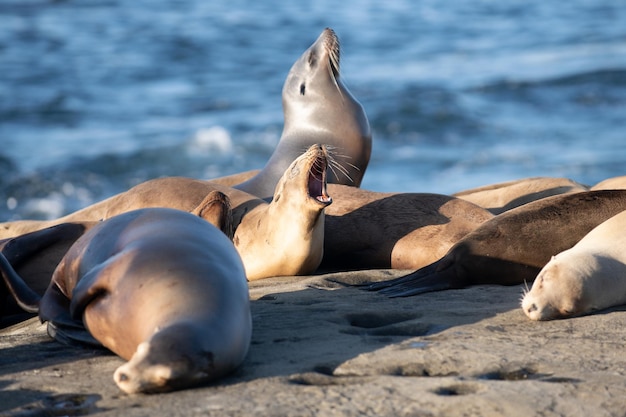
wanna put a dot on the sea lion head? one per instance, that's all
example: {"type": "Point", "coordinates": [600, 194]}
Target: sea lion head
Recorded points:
{"type": "Point", "coordinates": [319, 108]}
{"type": "Point", "coordinates": [304, 182]}
{"type": "Point", "coordinates": [557, 292]}
{"type": "Point", "coordinates": [173, 358]}
{"type": "Point", "coordinates": [292, 224]}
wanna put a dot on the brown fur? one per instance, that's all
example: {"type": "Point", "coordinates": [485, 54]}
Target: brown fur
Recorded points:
{"type": "Point", "coordinates": [366, 229]}
{"type": "Point", "coordinates": [512, 247]}
{"type": "Point", "coordinates": [280, 238]}
{"type": "Point", "coordinates": [160, 288]}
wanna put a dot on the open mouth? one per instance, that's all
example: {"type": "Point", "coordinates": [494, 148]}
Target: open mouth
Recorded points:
{"type": "Point", "coordinates": [317, 181]}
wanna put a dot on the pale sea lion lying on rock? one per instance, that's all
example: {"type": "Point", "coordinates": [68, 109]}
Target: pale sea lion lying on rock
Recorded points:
{"type": "Point", "coordinates": [589, 276]}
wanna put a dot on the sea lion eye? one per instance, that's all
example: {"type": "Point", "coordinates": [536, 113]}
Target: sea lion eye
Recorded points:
{"type": "Point", "coordinates": [302, 88]}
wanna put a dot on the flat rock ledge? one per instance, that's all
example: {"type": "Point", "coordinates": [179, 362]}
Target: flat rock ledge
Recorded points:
{"type": "Point", "coordinates": [321, 347]}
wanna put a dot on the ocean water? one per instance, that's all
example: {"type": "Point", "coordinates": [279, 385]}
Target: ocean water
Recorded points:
{"type": "Point", "coordinates": [99, 95]}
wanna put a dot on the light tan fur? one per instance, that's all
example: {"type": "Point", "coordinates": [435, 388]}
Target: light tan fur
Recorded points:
{"type": "Point", "coordinates": [589, 276]}
{"type": "Point", "coordinates": [283, 237]}
{"type": "Point", "coordinates": [501, 197]}
{"type": "Point", "coordinates": [614, 183]}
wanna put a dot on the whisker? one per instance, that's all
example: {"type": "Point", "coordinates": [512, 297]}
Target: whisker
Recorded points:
{"type": "Point", "coordinates": [525, 292]}
{"type": "Point", "coordinates": [336, 168]}
{"type": "Point", "coordinates": [333, 47]}
{"type": "Point", "coordinates": [332, 169]}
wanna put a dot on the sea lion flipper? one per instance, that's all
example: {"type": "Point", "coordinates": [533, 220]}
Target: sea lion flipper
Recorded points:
{"type": "Point", "coordinates": [216, 209]}
{"type": "Point", "coordinates": [62, 326]}
{"type": "Point", "coordinates": [35, 255]}
{"type": "Point", "coordinates": [438, 276]}
{"type": "Point", "coordinates": [26, 298]}
{"type": "Point", "coordinates": [422, 272]}
{"type": "Point", "coordinates": [68, 334]}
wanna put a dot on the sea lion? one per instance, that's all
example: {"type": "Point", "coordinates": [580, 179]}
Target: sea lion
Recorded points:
{"type": "Point", "coordinates": [234, 179]}
{"type": "Point", "coordinates": [504, 196]}
{"type": "Point", "coordinates": [589, 276]}
{"type": "Point", "coordinates": [283, 237]}
{"type": "Point", "coordinates": [35, 256]}
{"type": "Point", "coordinates": [513, 246]}
{"type": "Point", "coordinates": [614, 183]}
{"type": "Point", "coordinates": [318, 108]}
{"type": "Point", "coordinates": [367, 229]}
{"type": "Point", "coordinates": [159, 287]}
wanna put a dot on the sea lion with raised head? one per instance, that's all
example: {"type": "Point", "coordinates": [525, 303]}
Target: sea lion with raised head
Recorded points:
{"type": "Point", "coordinates": [367, 229]}
{"type": "Point", "coordinates": [588, 277]}
{"type": "Point", "coordinates": [318, 108]}
{"type": "Point", "coordinates": [159, 287]}
{"type": "Point", "coordinates": [501, 197]}
{"type": "Point", "coordinates": [283, 237]}
{"type": "Point", "coordinates": [513, 246]}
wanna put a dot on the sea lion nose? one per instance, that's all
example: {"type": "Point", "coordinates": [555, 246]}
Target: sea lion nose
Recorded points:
{"type": "Point", "coordinates": [531, 308]}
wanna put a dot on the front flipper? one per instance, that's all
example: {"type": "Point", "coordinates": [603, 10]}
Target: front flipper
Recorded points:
{"type": "Point", "coordinates": [54, 308]}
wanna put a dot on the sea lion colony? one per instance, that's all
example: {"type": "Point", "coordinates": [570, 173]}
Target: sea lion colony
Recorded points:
{"type": "Point", "coordinates": [498, 234]}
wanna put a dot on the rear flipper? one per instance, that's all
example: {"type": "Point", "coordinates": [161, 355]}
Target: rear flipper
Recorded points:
{"type": "Point", "coordinates": [27, 264]}
{"type": "Point", "coordinates": [26, 299]}
{"type": "Point", "coordinates": [72, 335]}
{"type": "Point", "coordinates": [438, 276]}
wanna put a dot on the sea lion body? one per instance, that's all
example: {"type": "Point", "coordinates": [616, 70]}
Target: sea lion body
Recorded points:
{"type": "Point", "coordinates": [512, 247]}
{"type": "Point", "coordinates": [283, 237]}
{"type": "Point", "coordinates": [589, 276]}
{"type": "Point", "coordinates": [318, 108]}
{"type": "Point", "coordinates": [501, 197]}
{"type": "Point", "coordinates": [367, 229]}
{"type": "Point", "coordinates": [161, 288]}
{"type": "Point", "coordinates": [613, 183]}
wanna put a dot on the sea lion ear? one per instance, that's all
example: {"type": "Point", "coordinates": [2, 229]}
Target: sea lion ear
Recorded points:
{"type": "Point", "coordinates": [216, 209]}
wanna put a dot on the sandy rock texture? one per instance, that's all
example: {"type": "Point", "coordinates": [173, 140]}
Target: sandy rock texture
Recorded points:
{"type": "Point", "coordinates": [321, 347]}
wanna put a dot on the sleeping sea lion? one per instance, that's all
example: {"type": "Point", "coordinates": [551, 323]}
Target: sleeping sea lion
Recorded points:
{"type": "Point", "coordinates": [512, 247]}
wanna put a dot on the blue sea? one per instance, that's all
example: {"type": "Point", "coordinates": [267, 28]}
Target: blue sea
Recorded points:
{"type": "Point", "coordinates": [99, 95]}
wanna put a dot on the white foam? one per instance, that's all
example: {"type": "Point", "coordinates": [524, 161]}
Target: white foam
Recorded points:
{"type": "Point", "coordinates": [212, 139]}
{"type": "Point", "coordinates": [50, 207]}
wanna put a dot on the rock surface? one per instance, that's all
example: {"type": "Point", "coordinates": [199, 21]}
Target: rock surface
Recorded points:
{"type": "Point", "coordinates": [320, 347]}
